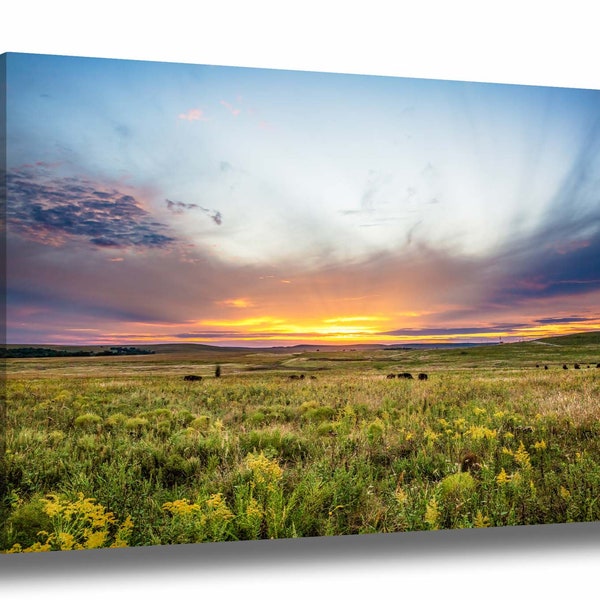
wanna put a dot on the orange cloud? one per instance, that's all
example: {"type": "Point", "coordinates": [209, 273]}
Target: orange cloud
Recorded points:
{"type": "Point", "coordinates": [356, 319]}
{"type": "Point", "coordinates": [237, 303]}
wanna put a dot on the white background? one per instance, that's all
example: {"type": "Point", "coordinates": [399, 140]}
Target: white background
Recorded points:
{"type": "Point", "coordinates": [526, 42]}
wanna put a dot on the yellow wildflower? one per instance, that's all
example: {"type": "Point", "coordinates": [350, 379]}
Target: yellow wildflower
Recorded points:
{"type": "Point", "coordinates": [502, 477]}
{"type": "Point", "coordinates": [254, 510]}
{"type": "Point", "coordinates": [432, 514]}
{"type": "Point", "coordinates": [480, 520]}
{"type": "Point", "coordinates": [123, 533]}
{"type": "Point", "coordinates": [400, 495]}
{"type": "Point", "coordinates": [219, 509]}
{"type": "Point", "coordinates": [181, 507]}
{"type": "Point", "coordinates": [66, 541]}
{"type": "Point", "coordinates": [52, 505]}
{"type": "Point", "coordinates": [37, 547]}
{"type": "Point", "coordinates": [478, 432]}
{"type": "Point", "coordinates": [96, 539]}
{"type": "Point", "coordinates": [521, 456]}
{"type": "Point", "coordinates": [431, 435]}
{"type": "Point", "coordinates": [264, 470]}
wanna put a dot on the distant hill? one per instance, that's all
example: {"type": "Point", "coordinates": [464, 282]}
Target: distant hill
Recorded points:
{"type": "Point", "coordinates": [573, 339]}
{"type": "Point", "coordinates": [54, 350]}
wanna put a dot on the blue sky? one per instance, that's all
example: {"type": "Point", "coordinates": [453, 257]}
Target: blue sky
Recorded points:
{"type": "Point", "coordinates": [155, 201]}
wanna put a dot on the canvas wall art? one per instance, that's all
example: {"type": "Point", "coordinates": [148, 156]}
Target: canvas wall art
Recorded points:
{"type": "Point", "coordinates": [252, 304]}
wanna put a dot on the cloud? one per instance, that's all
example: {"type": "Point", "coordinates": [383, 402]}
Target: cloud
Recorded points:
{"type": "Point", "coordinates": [54, 211]}
{"type": "Point", "coordinates": [559, 257]}
{"type": "Point", "coordinates": [215, 335]}
{"type": "Point", "coordinates": [530, 269]}
{"type": "Point", "coordinates": [179, 207]}
{"type": "Point", "coordinates": [558, 320]}
{"type": "Point", "coordinates": [194, 114]}
{"type": "Point", "coordinates": [237, 303]}
{"type": "Point", "coordinates": [234, 111]}
{"type": "Point", "coordinates": [453, 331]}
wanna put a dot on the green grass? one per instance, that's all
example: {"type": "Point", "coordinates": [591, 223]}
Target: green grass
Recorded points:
{"type": "Point", "coordinates": [488, 440]}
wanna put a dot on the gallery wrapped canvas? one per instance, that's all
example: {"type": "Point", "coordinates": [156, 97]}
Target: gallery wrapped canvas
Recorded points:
{"type": "Point", "coordinates": [247, 304]}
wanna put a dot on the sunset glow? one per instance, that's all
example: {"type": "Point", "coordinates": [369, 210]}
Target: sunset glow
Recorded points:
{"type": "Point", "coordinates": [155, 202]}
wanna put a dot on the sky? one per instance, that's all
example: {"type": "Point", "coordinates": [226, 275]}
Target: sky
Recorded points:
{"type": "Point", "coordinates": [154, 202]}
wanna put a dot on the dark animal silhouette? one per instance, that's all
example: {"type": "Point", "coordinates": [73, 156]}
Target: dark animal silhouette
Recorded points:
{"type": "Point", "coordinates": [470, 462]}
{"type": "Point", "coordinates": [422, 376]}
{"type": "Point", "coordinates": [312, 377]}
{"type": "Point", "coordinates": [537, 366]}
{"type": "Point", "coordinates": [576, 366]}
{"type": "Point", "coordinates": [390, 376]}
{"type": "Point", "coordinates": [546, 367]}
{"type": "Point", "coordinates": [405, 376]}
{"type": "Point", "coordinates": [192, 378]}
{"type": "Point", "coordinates": [565, 367]}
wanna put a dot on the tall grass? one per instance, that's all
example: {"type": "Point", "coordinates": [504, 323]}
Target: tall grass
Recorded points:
{"type": "Point", "coordinates": [256, 456]}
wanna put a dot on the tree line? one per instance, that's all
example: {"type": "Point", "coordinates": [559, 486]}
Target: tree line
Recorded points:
{"type": "Point", "coordinates": [33, 352]}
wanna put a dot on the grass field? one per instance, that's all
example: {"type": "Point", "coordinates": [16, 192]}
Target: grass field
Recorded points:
{"type": "Point", "coordinates": [115, 451]}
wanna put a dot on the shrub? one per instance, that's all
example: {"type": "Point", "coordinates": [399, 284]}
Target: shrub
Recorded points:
{"type": "Point", "coordinates": [87, 421]}
{"type": "Point", "coordinates": [456, 487]}
{"type": "Point", "coordinates": [200, 423]}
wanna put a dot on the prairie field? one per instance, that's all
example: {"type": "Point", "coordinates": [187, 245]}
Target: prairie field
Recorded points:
{"type": "Point", "coordinates": [123, 451]}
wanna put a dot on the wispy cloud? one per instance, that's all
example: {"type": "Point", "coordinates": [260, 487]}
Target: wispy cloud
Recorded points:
{"type": "Point", "coordinates": [454, 331]}
{"type": "Point", "coordinates": [179, 208]}
{"type": "Point", "coordinates": [570, 319]}
{"type": "Point", "coordinates": [232, 109]}
{"type": "Point", "coordinates": [236, 303]}
{"type": "Point", "coordinates": [194, 114]}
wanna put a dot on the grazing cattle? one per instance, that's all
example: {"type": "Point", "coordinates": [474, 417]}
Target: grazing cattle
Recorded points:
{"type": "Point", "coordinates": [537, 366]}
{"type": "Point", "coordinates": [598, 366]}
{"type": "Point", "coordinates": [565, 367]}
{"type": "Point", "coordinates": [405, 376]}
{"type": "Point", "coordinates": [293, 377]}
{"type": "Point", "coordinates": [576, 366]}
{"type": "Point", "coordinates": [422, 376]}
{"type": "Point", "coordinates": [192, 378]}
{"type": "Point", "coordinates": [390, 376]}
{"type": "Point", "coordinates": [546, 367]}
